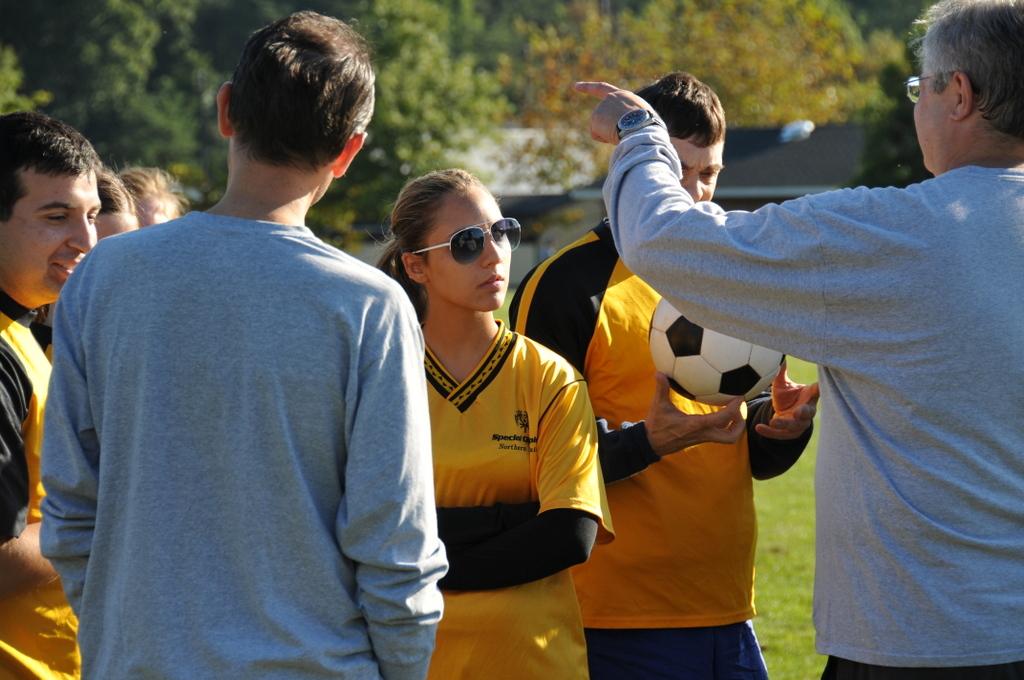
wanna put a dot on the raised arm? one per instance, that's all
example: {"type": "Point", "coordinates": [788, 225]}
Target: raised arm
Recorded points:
{"type": "Point", "coordinates": [721, 268]}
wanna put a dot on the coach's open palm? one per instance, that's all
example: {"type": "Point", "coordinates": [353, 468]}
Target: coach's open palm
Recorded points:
{"type": "Point", "coordinates": [795, 405]}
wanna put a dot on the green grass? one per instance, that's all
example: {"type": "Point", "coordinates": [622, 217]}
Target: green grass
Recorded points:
{"type": "Point", "coordinates": [785, 558]}
{"type": "Point", "coordinates": [785, 562]}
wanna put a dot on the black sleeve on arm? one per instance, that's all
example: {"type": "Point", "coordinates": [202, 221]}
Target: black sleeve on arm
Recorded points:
{"type": "Point", "coordinates": [547, 544]}
{"type": "Point", "coordinates": [15, 395]}
{"type": "Point", "coordinates": [462, 526]}
{"type": "Point", "coordinates": [623, 452]}
{"type": "Point", "coordinates": [770, 457]}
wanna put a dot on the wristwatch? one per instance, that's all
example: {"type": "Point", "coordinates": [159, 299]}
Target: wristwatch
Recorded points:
{"type": "Point", "coordinates": [634, 120]}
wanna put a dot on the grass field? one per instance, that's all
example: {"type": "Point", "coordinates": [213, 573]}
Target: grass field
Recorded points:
{"type": "Point", "coordinates": [785, 562]}
{"type": "Point", "coordinates": [785, 559]}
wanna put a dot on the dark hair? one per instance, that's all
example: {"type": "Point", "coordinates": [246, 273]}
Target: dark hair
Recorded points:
{"type": "Point", "coordinates": [143, 183]}
{"type": "Point", "coordinates": [985, 40]}
{"type": "Point", "coordinates": [413, 217]}
{"type": "Point", "coordinates": [114, 195]}
{"type": "Point", "coordinates": [37, 142]}
{"type": "Point", "coordinates": [690, 108]}
{"type": "Point", "coordinates": [303, 86]}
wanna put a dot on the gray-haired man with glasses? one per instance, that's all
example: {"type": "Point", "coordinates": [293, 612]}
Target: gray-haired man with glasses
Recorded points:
{"type": "Point", "coordinates": [911, 302]}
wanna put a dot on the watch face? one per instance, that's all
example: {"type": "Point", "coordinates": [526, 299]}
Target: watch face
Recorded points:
{"type": "Point", "coordinates": [633, 118]}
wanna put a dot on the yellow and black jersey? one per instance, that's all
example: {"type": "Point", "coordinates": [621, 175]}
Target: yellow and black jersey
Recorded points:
{"type": "Point", "coordinates": [43, 333]}
{"type": "Point", "coordinates": [20, 416]}
{"type": "Point", "coordinates": [37, 628]}
{"type": "Point", "coordinates": [684, 554]}
{"type": "Point", "coordinates": [519, 428]}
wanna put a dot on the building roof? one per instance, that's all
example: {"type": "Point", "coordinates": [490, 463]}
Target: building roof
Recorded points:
{"type": "Point", "coordinates": [758, 163]}
{"type": "Point", "coordinates": [761, 166]}
{"type": "Point", "coordinates": [493, 159]}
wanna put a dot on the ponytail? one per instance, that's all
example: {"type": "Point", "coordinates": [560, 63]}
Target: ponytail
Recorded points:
{"type": "Point", "coordinates": [391, 264]}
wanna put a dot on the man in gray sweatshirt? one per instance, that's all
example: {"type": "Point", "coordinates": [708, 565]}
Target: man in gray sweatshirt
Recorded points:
{"type": "Point", "coordinates": [237, 446]}
{"type": "Point", "coordinates": [911, 302]}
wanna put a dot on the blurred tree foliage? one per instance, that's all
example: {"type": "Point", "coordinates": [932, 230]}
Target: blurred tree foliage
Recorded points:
{"type": "Point", "coordinates": [125, 72]}
{"type": "Point", "coordinates": [11, 96]}
{"type": "Point", "coordinates": [139, 76]}
{"type": "Point", "coordinates": [431, 105]}
{"type": "Point", "coordinates": [887, 15]}
{"type": "Point", "coordinates": [892, 156]}
{"type": "Point", "coordinates": [771, 62]}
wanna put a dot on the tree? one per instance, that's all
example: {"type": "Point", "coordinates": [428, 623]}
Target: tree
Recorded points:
{"type": "Point", "coordinates": [771, 62]}
{"type": "Point", "coordinates": [138, 77]}
{"type": "Point", "coordinates": [430, 106]}
{"type": "Point", "coordinates": [11, 96]}
{"type": "Point", "coordinates": [892, 156]}
{"type": "Point", "coordinates": [124, 72]}
{"type": "Point", "coordinates": [896, 17]}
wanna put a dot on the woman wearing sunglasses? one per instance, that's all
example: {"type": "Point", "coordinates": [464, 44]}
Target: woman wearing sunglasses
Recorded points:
{"type": "Point", "coordinates": [511, 423]}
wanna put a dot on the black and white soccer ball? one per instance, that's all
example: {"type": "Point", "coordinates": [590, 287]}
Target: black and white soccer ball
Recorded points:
{"type": "Point", "coordinates": [707, 366]}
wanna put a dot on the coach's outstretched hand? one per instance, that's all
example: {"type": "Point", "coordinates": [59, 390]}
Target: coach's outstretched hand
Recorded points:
{"type": "Point", "coordinates": [614, 103]}
{"type": "Point", "coordinates": [795, 406]}
{"type": "Point", "coordinates": [670, 430]}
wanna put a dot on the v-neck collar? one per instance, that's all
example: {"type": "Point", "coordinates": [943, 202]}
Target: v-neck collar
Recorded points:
{"type": "Point", "coordinates": [462, 395]}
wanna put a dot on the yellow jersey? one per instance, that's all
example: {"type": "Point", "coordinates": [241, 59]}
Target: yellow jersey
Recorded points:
{"type": "Point", "coordinates": [37, 628]}
{"type": "Point", "coordinates": [684, 555]}
{"type": "Point", "coordinates": [519, 428]}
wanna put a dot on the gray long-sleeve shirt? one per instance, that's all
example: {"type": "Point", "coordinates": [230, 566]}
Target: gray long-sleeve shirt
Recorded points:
{"type": "Point", "coordinates": [237, 459]}
{"type": "Point", "coordinates": [911, 302]}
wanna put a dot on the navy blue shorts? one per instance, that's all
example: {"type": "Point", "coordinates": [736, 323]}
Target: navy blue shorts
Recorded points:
{"type": "Point", "coordinates": [715, 653]}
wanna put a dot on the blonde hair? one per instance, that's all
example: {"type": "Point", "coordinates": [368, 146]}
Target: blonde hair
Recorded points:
{"type": "Point", "coordinates": [155, 183]}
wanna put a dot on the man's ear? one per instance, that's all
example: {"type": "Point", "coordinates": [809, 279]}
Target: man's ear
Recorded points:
{"type": "Point", "coordinates": [352, 147]}
{"type": "Point", "coordinates": [223, 122]}
{"type": "Point", "coordinates": [963, 106]}
{"type": "Point", "coordinates": [414, 268]}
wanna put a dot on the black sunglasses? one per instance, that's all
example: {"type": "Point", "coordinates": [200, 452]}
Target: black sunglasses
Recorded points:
{"type": "Point", "coordinates": [467, 243]}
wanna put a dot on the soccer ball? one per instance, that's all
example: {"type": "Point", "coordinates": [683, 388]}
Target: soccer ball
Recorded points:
{"type": "Point", "coordinates": [707, 366]}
